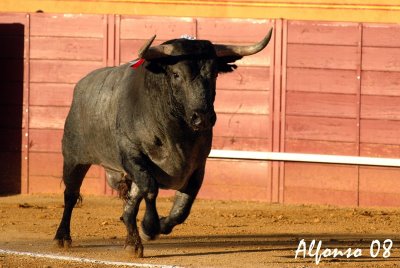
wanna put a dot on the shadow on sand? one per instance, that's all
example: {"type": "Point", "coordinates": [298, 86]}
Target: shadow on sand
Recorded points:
{"type": "Point", "coordinates": [281, 245]}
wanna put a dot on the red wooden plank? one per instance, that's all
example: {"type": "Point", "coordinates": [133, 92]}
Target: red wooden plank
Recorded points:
{"type": "Point", "coordinates": [303, 195]}
{"type": "Point", "coordinates": [320, 128]}
{"type": "Point", "coordinates": [321, 176]}
{"type": "Point", "coordinates": [241, 125]}
{"type": "Point", "coordinates": [45, 140]}
{"type": "Point", "coordinates": [321, 104]}
{"type": "Point", "coordinates": [380, 150]}
{"type": "Point", "coordinates": [236, 172]}
{"type": "Point", "coordinates": [245, 193]}
{"type": "Point", "coordinates": [379, 186]}
{"type": "Point", "coordinates": [164, 28]}
{"type": "Point", "coordinates": [321, 184]}
{"type": "Point", "coordinates": [42, 184]}
{"type": "Point", "coordinates": [76, 25]}
{"type": "Point", "coordinates": [245, 78]}
{"type": "Point", "coordinates": [50, 165]}
{"type": "Point", "coordinates": [248, 102]}
{"type": "Point", "coordinates": [232, 30]}
{"type": "Point", "coordinates": [241, 144]}
{"type": "Point", "coordinates": [47, 117]}
{"type": "Point", "coordinates": [322, 80]}
{"type": "Point", "coordinates": [380, 131]}
{"type": "Point", "coordinates": [322, 56]}
{"type": "Point", "coordinates": [61, 71]}
{"type": "Point", "coordinates": [12, 18]}
{"type": "Point", "coordinates": [320, 147]}
{"type": "Point", "coordinates": [381, 35]}
{"type": "Point", "coordinates": [328, 33]}
{"type": "Point", "coordinates": [62, 48]}
{"type": "Point", "coordinates": [237, 180]}
{"type": "Point", "coordinates": [379, 199]}
{"type": "Point", "coordinates": [380, 83]}
{"type": "Point", "coordinates": [380, 107]}
{"type": "Point", "coordinates": [50, 94]}
{"type": "Point", "coordinates": [381, 59]}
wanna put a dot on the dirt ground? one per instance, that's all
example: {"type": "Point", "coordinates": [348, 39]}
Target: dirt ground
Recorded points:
{"type": "Point", "coordinates": [217, 234]}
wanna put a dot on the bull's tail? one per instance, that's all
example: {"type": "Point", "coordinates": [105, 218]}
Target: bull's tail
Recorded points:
{"type": "Point", "coordinates": [124, 186]}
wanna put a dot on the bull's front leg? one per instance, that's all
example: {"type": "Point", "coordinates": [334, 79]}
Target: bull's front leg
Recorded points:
{"type": "Point", "coordinates": [143, 186]}
{"type": "Point", "coordinates": [133, 243]}
{"type": "Point", "coordinates": [183, 202]}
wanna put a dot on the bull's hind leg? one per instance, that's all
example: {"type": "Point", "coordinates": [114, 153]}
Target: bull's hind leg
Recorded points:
{"type": "Point", "coordinates": [73, 175]}
{"type": "Point", "coordinates": [183, 203]}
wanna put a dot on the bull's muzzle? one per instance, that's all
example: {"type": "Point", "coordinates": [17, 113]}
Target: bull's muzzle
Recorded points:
{"type": "Point", "coordinates": [202, 120]}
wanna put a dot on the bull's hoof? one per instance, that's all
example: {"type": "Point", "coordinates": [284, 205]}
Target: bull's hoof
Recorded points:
{"type": "Point", "coordinates": [134, 250]}
{"type": "Point", "coordinates": [59, 243]}
{"type": "Point", "coordinates": [147, 237]}
{"type": "Point", "coordinates": [150, 229]}
{"type": "Point", "coordinates": [165, 228]}
{"type": "Point", "coordinates": [67, 243]}
{"type": "Point", "coordinates": [63, 243]}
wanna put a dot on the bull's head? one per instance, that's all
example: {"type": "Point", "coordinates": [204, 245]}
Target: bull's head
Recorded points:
{"type": "Point", "coordinates": [191, 68]}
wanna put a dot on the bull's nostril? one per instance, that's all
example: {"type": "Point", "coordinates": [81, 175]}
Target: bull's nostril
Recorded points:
{"type": "Point", "coordinates": [196, 119]}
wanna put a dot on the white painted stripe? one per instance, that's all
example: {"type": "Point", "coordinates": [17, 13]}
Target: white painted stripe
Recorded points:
{"type": "Point", "coordinates": [83, 260]}
{"type": "Point", "coordinates": [313, 158]}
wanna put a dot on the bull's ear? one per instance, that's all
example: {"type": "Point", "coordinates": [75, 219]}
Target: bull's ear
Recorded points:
{"type": "Point", "coordinates": [225, 65]}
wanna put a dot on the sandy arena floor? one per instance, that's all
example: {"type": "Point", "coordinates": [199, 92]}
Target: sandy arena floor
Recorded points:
{"type": "Point", "coordinates": [217, 234]}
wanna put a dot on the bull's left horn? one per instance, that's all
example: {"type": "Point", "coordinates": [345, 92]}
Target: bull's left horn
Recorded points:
{"type": "Point", "coordinates": [148, 52]}
{"type": "Point", "coordinates": [145, 47]}
{"type": "Point", "coordinates": [241, 51]}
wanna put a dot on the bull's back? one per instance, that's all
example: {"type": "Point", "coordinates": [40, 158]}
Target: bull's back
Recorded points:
{"type": "Point", "coordinates": [88, 132]}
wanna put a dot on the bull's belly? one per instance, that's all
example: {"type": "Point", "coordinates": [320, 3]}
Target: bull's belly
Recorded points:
{"type": "Point", "coordinates": [177, 182]}
{"type": "Point", "coordinates": [167, 179]}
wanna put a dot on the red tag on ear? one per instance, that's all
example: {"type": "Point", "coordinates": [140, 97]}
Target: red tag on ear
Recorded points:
{"type": "Point", "coordinates": [136, 63]}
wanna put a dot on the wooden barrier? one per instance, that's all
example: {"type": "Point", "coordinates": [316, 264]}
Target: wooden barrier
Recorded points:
{"type": "Point", "coordinates": [319, 88]}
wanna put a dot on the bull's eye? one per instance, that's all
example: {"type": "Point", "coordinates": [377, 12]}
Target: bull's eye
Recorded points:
{"type": "Point", "coordinates": [175, 75]}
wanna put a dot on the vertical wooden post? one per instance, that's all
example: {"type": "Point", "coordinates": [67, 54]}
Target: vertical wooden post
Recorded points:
{"type": "Point", "coordinates": [25, 107]}
{"type": "Point", "coordinates": [276, 110]}
{"type": "Point", "coordinates": [271, 108]}
{"type": "Point", "coordinates": [111, 58]}
{"type": "Point", "coordinates": [358, 106]}
{"type": "Point", "coordinates": [283, 111]}
{"type": "Point", "coordinates": [117, 56]}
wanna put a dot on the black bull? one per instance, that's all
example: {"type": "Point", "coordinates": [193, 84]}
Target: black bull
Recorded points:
{"type": "Point", "coordinates": [150, 128]}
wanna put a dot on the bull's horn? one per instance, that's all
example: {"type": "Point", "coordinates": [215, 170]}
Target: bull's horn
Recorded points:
{"type": "Point", "coordinates": [161, 51]}
{"type": "Point", "coordinates": [145, 47]}
{"type": "Point", "coordinates": [241, 51]}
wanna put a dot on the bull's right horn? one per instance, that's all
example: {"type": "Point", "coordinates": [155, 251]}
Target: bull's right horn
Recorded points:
{"type": "Point", "coordinates": [241, 51]}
